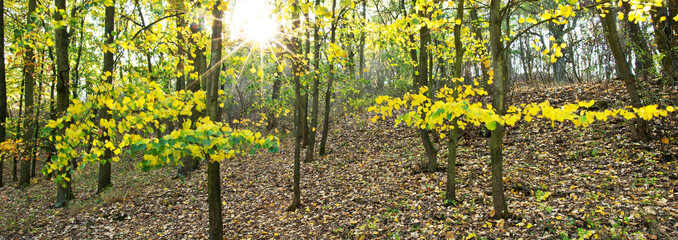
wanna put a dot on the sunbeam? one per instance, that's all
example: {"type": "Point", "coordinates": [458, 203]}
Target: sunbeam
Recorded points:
{"type": "Point", "coordinates": [253, 20]}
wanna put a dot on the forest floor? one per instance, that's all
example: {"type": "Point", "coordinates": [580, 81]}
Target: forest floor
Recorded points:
{"type": "Point", "coordinates": [561, 182]}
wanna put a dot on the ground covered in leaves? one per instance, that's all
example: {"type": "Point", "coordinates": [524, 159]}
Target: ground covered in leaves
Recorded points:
{"type": "Point", "coordinates": [561, 182]}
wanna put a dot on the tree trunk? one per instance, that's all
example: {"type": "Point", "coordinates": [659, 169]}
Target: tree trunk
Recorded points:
{"type": "Point", "coordinates": [498, 96]}
{"type": "Point", "coordinates": [64, 190]}
{"type": "Point", "coordinates": [304, 95]}
{"type": "Point", "coordinates": [105, 165]}
{"type": "Point", "coordinates": [361, 48]}
{"type": "Point", "coordinates": [663, 33]}
{"type": "Point", "coordinates": [475, 27]}
{"type": "Point", "coordinates": [29, 81]}
{"type": "Point", "coordinates": [76, 68]}
{"type": "Point", "coordinates": [147, 53]}
{"type": "Point", "coordinates": [189, 163]}
{"type": "Point", "coordinates": [180, 84]}
{"type": "Point", "coordinates": [297, 70]}
{"type": "Point", "coordinates": [275, 96]}
{"type": "Point", "coordinates": [216, 223]}
{"type": "Point", "coordinates": [639, 127]}
{"type": "Point", "coordinates": [452, 145]}
{"type": "Point", "coordinates": [316, 85]}
{"type": "Point", "coordinates": [36, 129]}
{"type": "Point", "coordinates": [52, 111]}
{"type": "Point", "coordinates": [18, 129]}
{"type": "Point", "coordinates": [673, 28]}
{"type": "Point", "coordinates": [328, 92]}
{"type": "Point", "coordinates": [559, 71]}
{"type": "Point", "coordinates": [3, 90]}
{"type": "Point", "coordinates": [523, 60]}
{"type": "Point", "coordinates": [351, 56]}
{"type": "Point", "coordinates": [424, 39]}
{"type": "Point", "coordinates": [644, 62]}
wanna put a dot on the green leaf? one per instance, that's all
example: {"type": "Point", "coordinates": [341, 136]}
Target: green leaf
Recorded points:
{"type": "Point", "coordinates": [491, 125]}
{"type": "Point", "coordinates": [138, 147]}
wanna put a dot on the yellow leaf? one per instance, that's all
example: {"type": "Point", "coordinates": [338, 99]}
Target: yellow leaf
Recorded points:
{"type": "Point", "coordinates": [53, 124]}
{"type": "Point", "coordinates": [546, 15]}
{"type": "Point", "coordinates": [665, 140]}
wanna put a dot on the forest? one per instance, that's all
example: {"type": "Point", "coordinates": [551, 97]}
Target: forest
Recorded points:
{"type": "Point", "coordinates": [339, 119]}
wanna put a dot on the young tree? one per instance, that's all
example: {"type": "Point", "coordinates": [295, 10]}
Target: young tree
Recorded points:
{"type": "Point", "coordinates": [3, 88]}
{"type": "Point", "coordinates": [275, 97]}
{"type": "Point", "coordinates": [498, 96]}
{"type": "Point", "coordinates": [29, 85]}
{"type": "Point", "coordinates": [478, 35]}
{"type": "Point", "coordinates": [330, 81]}
{"type": "Point", "coordinates": [450, 192]}
{"type": "Point", "coordinates": [297, 70]}
{"type": "Point", "coordinates": [109, 28]}
{"type": "Point", "coordinates": [64, 190]}
{"type": "Point", "coordinates": [316, 86]}
{"type": "Point", "coordinates": [196, 55]}
{"type": "Point", "coordinates": [663, 39]}
{"type": "Point", "coordinates": [639, 127]}
{"type": "Point", "coordinates": [644, 62]}
{"type": "Point", "coordinates": [423, 81]}
{"type": "Point", "coordinates": [361, 46]}
{"type": "Point", "coordinates": [216, 223]}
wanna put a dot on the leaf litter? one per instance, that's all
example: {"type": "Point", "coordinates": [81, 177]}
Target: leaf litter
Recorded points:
{"type": "Point", "coordinates": [560, 181]}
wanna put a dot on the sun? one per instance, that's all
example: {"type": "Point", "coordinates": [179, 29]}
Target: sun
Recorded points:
{"type": "Point", "coordinates": [253, 20]}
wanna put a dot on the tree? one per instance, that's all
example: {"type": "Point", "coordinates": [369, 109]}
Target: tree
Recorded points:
{"type": "Point", "coordinates": [450, 192]}
{"type": "Point", "coordinates": [316, 86]}
{"type": "Point", "coordinates": [423, 81]}
{"type": "Point", "coordinates": [644, 62]}
{"type": "Point", "coordinates": [214, 113]}
{"type": "Point", "coordinates": [330, 81]}
{"type": "Point", "coordinates": [477, 33]}
{"type": "Point", "coordinates": [275, 96]}
{"type": "Point", "coordinates": [297, 69]}
{"type": "Point", "coordinates": [29, 85]}
{"type": "Point", "coordinates": [662, 35]}
{"type": "Point", "coordinates": [105, 165]}
{"type": "Point", "coordinates": [363, 35]}
{"type": "Point", "coordinates": [196, 55]}
{"type": "Point", "coordinates": [498, 97]}
{"type": "Point", "coordinates": [3, 89]}
{"type": "Point", "coordinates": [639, 127]}
{"type": "Point", "coordinates": [64, 190]}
